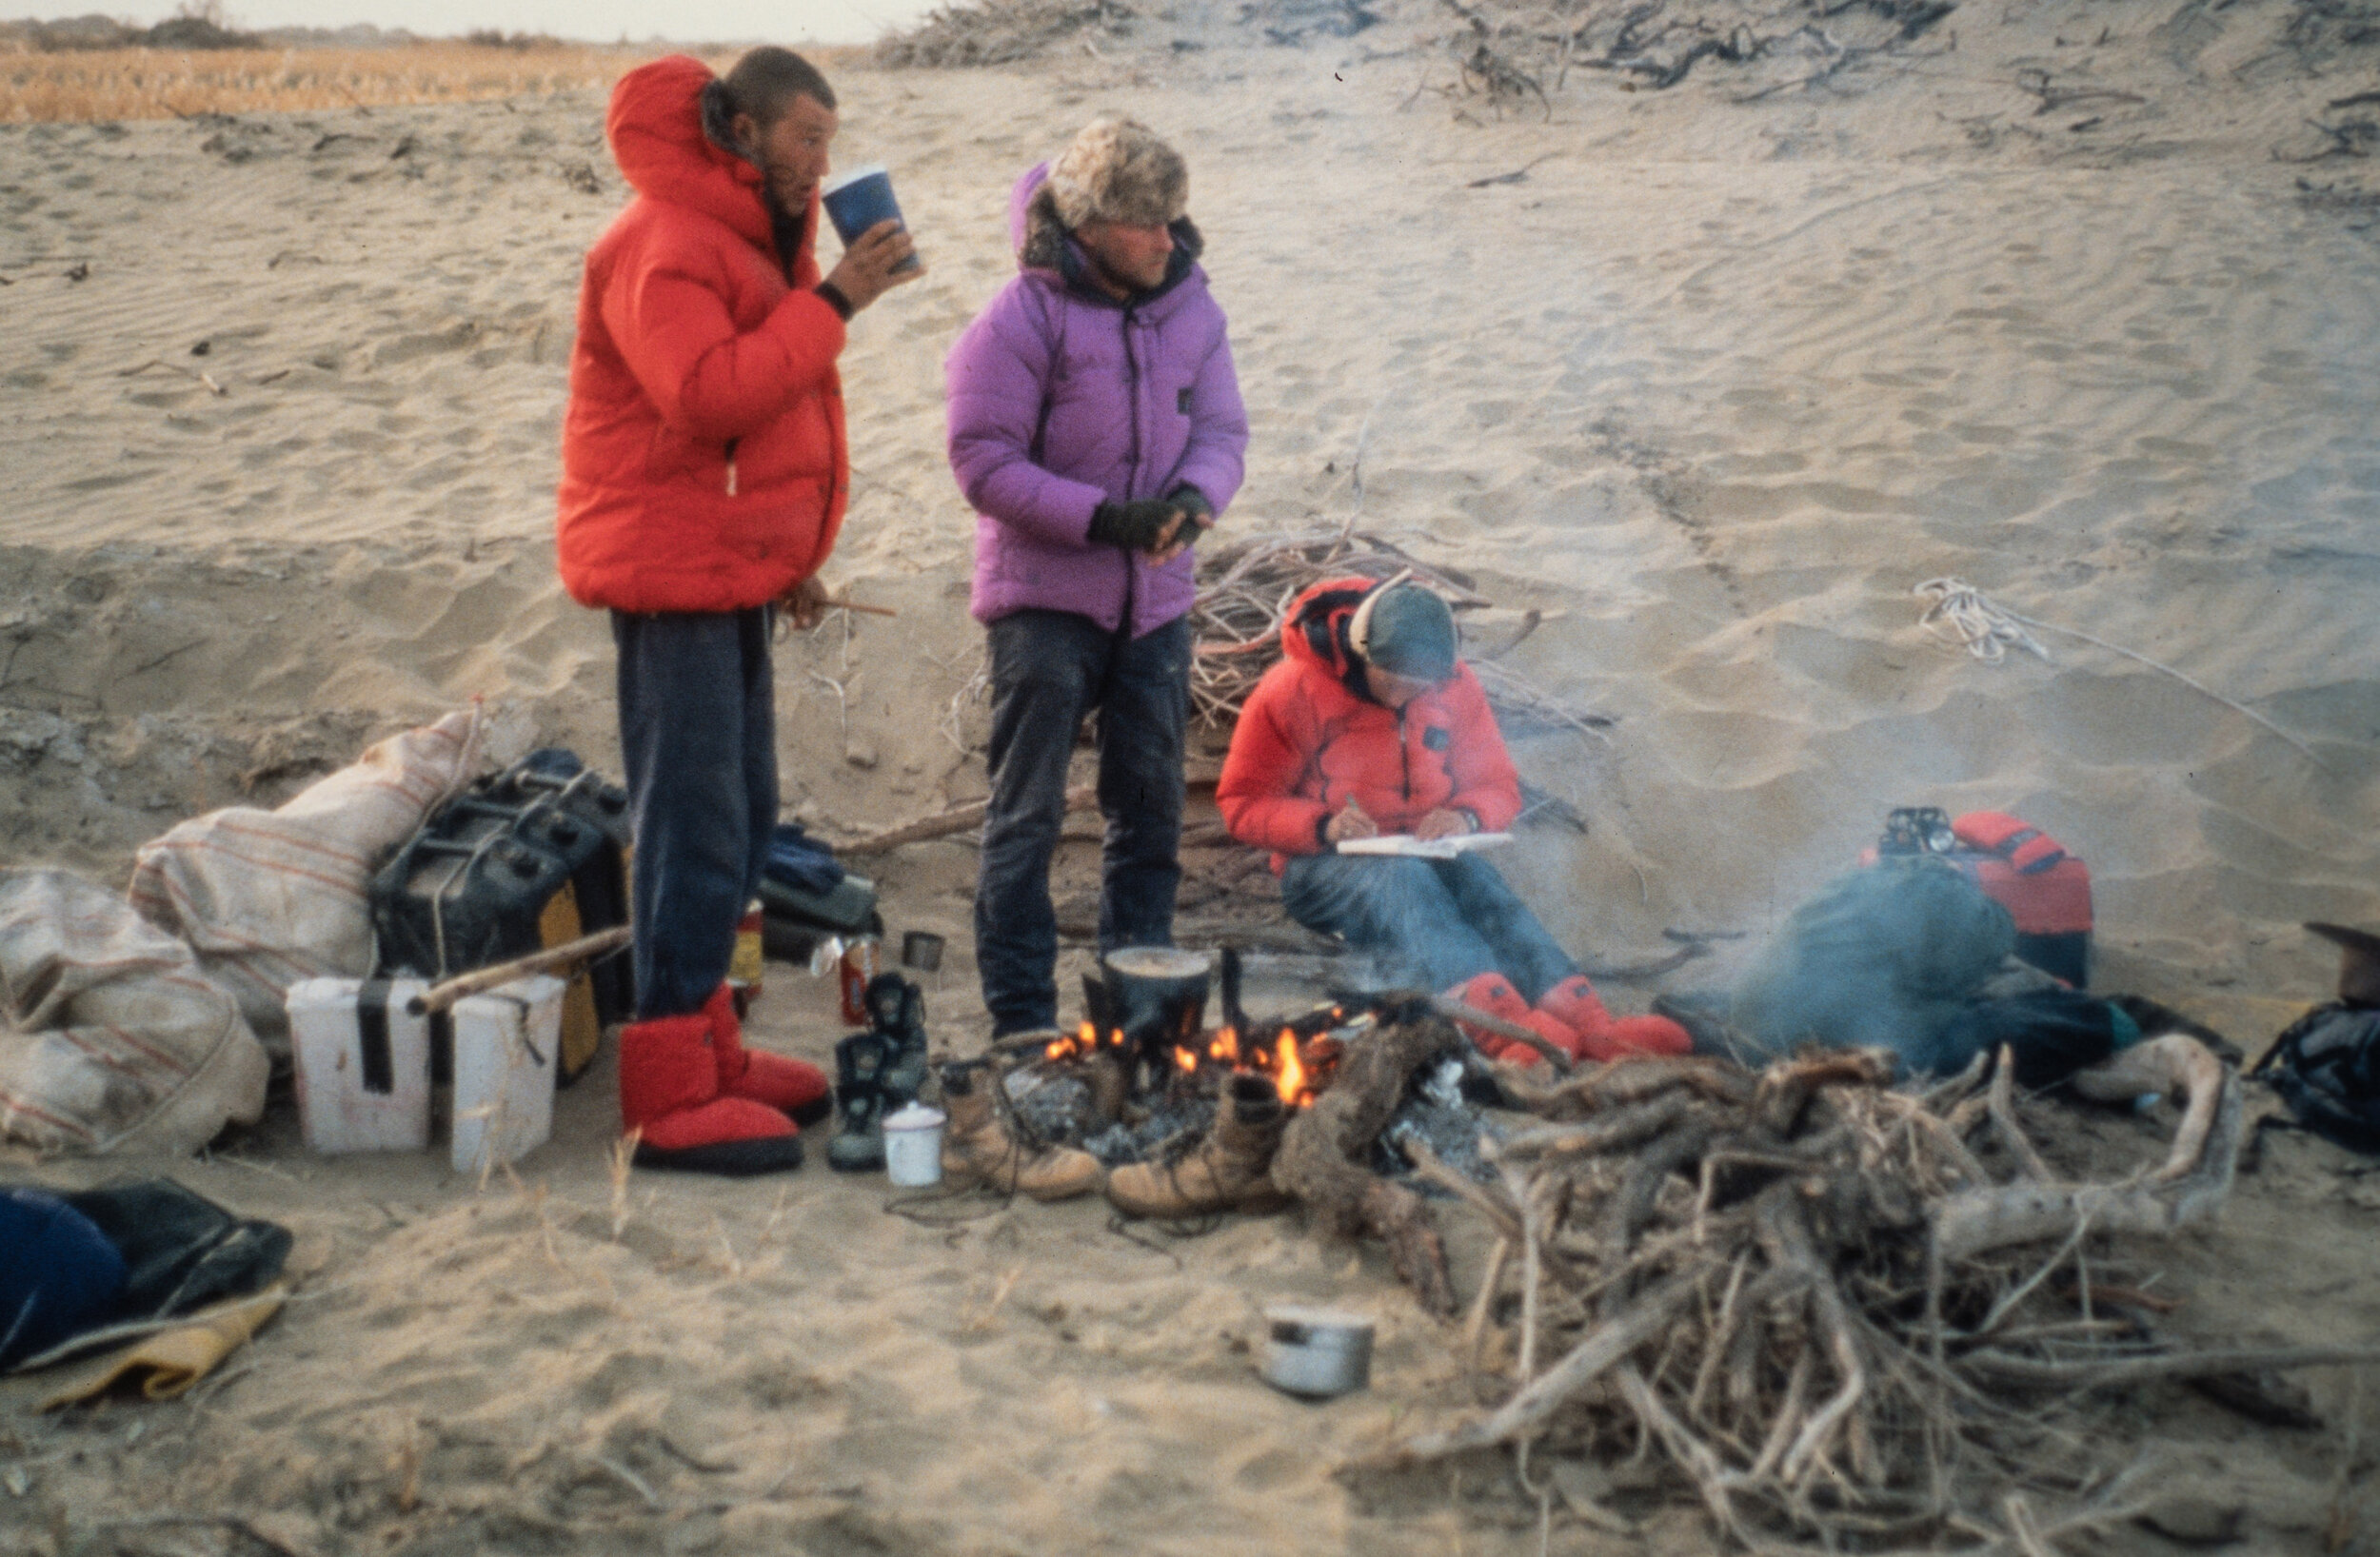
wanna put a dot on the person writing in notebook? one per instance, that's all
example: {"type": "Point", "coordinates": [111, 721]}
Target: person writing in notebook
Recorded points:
{"type": "Point", "coordinates": [1371, 725]}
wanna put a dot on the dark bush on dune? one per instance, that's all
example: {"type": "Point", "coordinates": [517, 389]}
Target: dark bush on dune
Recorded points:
{"type": "Point", "coordinates": [200, 26]}
{"type": "Point", "coordinates": [194, 32]}
{"type": "Point", "coordinates": [491, 37]}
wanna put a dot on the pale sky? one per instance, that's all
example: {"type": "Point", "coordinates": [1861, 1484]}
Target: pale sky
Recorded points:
{"type": "Point", "coordinates": [600, 21]}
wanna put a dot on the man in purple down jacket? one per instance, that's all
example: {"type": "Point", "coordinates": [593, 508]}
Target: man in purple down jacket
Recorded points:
{"type": "Point", "coordinates": [1096, 426]}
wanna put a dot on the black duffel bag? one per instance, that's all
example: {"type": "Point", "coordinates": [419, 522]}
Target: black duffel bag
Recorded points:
{"type": "Point", "coordinates": [2327, 1068]}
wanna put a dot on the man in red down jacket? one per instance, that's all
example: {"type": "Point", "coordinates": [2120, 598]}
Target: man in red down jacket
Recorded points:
{"type": "Point", "coordinates": [1097, 428]}
{"type": "Point", "coordinates": [704, 475]}
{"type": "Point", "coordinates": [1370, 726]}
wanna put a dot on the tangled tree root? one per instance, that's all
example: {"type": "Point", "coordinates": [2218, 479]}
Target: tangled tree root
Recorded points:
{"type": "Point", "coordinates": [1806, 1291]}
{"type": "Point", "coordinates": [1322, 1152]}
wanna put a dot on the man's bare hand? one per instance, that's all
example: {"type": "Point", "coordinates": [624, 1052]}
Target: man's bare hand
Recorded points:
{"type": "Point", "coordinates": [805, 604]}
{"type": "Point", "coordinates": [866, 271]}
{"type": "Point", "coordinates": [1351, 823]}
{"type": "Point", "coordinates": [1441, 823]}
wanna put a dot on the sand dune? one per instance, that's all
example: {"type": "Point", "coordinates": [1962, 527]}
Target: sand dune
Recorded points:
{"type": "Point", "coordinates": [1713, 385]}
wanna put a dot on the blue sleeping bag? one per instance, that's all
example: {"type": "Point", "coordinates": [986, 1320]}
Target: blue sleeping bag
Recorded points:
{"type": "Point", "coordinates": [59, 1275]}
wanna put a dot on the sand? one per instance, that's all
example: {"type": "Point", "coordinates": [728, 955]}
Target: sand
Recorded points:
{"type": "Point", "coordinates": [1714, 386]}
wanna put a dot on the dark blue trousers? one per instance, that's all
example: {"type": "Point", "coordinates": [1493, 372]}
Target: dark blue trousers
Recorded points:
{"type": "Point", "coordinates": [698, 734]}
{"type": "Point", "coordinates": [1048, 670]}
{"type": "Point", "coordinates": [1429, 924]}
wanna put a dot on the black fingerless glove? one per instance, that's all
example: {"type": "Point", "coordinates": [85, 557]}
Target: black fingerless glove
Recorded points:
{"type": "Point", "coordinates": [1192, 502]}
{"type": "Point", "coordinates": [1132, 525]}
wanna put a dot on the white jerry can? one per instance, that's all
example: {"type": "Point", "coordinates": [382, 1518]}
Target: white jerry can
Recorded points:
{"type": "Point", "coordinates": [363, 1064]}
{"type": "Point", "coordinates": [505, 1049]}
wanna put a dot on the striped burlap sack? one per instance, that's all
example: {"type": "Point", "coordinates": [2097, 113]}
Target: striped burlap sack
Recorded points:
{"type": "Point", "coordinates": [111, 1039]}
{"type": "Point", "coordinates": [269, 897]}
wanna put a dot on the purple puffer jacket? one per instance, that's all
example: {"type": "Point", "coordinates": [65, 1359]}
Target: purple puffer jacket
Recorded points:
{"type": "Point", "coordinates": [1063, 399]}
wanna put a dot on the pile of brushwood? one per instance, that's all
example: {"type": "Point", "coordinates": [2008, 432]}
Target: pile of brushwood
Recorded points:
{"type": "Point", "coordinates": [1002, 32]}
{"type": "Point", "coordinates": [1839, 1310]}
{"type": "Point", "coordinates": [1246, 588]}
{"type": "Point", "coordinates": [1516, 53]}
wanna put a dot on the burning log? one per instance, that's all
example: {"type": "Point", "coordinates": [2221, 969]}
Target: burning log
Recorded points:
{"type": "Point", "coordinates": [1321, 1154]}
{"type": "Point", "coordinates": [1802, 1286]}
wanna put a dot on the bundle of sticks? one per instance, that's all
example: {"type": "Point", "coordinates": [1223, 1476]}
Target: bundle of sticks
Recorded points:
{"type": "Point", "coordinates": [1246, 588]}
{"type": "Point", "coordinates": [1825, 1302]}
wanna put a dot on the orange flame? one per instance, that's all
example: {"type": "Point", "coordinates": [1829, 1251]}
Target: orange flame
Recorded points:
{"type": "Point", "coordinates": [1085, 1042]}
{"type": "Point", "coordinates": [1225, 1046]}
{"type": "Point", "coordinates": [1186, 1059]}
{"type": "Point", "coordinates": [1290, 1077]}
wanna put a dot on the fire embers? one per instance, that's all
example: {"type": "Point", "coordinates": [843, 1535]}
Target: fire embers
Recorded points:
{"type": "Point", "coordinates": [1297, 1065]}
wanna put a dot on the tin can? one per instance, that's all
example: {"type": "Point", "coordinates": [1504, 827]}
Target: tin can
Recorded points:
{"type": "Point", "coordinates": [744, 964]}
{"type": "Point", "coordinates": [862, 959]}
{"type": "Point", "coordinates": [1317, 1354]}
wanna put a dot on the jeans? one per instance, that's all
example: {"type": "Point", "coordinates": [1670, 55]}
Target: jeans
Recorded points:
{"type": "Point", "coordinates": [1048, 669]}
{"type": "Point", "coordinates": [1428, 924]}
{"type": "Point", "coordinates": [698, 733]}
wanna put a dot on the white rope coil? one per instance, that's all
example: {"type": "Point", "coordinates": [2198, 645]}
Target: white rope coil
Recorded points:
{"type": "Point", "coordinates": [1962, 613]}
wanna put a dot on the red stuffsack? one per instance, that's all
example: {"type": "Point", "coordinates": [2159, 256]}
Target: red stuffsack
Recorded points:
{"type": "Point", "coordinates": [2045, 890]}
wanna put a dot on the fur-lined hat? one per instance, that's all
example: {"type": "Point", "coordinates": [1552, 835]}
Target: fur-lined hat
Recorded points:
{"type": "Point", "coordinates": [1117, 171]}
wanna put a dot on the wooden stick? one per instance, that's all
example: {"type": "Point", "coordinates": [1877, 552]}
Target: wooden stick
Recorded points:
{"type": "Point", "coordinates": [584, 949]}
{"type": "Point", "coordinates": [1455, 1010]}
{"type": "Point", "coordinates": [2176, 1365]}
{"type": "Point", "coordinates": [957, 819]}
{"type": "Point", "coordinates": [1605, 1345]}
{"type": "Point", "coordinates": [832, 605]}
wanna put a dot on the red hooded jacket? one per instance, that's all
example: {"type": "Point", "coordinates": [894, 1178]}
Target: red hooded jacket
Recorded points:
{"type": "Point", "coordinates": [703, 466]}
{"type": "Point", "coordinates": [1308, 742]}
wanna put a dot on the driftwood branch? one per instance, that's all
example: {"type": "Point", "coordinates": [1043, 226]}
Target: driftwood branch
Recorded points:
{"type": "Point", "coordinates": [1322, 1152]}
{"type": "Point", "coordinates": [959, 818]}
{"type": "Point", "coordinates": [1802, 1290]}
{"type": "Point", "coordinates": [584, 949]}
{"type": "Point", "coordinates": [2195, 1179]}
{"type": "Point", "coordinates": [1455, 1010]}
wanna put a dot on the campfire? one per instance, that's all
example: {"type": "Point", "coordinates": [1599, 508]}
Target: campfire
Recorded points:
{"type": "Point", "coordinates": [1299, 1063]}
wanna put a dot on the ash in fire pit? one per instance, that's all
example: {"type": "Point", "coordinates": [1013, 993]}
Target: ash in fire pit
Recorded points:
{"type": "Point", "coordinates": [1438, 1115]}
{"type": "Point", "coordinates": [1054, 1108]}
{"type": "Point", "coordinates": [1186, 1116]}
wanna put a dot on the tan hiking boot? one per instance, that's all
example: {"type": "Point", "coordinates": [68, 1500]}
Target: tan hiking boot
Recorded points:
{"type": "Point", "coordinates": [1228, 1171]}
{"type": "Point", "coordinates": [977, 1147]}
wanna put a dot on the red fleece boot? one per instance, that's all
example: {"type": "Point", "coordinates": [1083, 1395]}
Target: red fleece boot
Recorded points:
{"type": "Point", "coordinates": [669, 1090]}
{"type": "Point", "coordinates": [1650, 1035]}
{"type": "Point", "coordinates": [1574, 1003]}
{"type": "Point", "coordinates": [792, 1087]}
{"type": "Point", "coordinates": [1493, 994]}
{"type": "Point", "coordinates": [1601, 1036]}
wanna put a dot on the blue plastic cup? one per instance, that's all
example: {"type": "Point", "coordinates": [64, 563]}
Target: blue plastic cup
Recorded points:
{"type": "Point", "coordinates": [859, 200]}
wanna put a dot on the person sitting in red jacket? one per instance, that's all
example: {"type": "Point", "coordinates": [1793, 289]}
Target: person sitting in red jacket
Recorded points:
{"type": "Point", "coordinates": [1370, 726]}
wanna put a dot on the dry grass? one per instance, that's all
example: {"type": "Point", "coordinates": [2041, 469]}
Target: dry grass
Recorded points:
{"type": "Point", "coordinates": [158, 83]}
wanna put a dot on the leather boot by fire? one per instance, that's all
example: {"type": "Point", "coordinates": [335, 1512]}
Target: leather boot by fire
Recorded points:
{"type": "Point", "coordinates": [1229, 1171]}
{"type": "Point", "coordinates": [977, 1147]}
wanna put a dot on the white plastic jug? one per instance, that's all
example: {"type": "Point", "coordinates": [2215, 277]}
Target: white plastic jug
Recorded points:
{"type": "Point", "coordinates": [505, 1049]}
{"type": "Point", "coordinates": [363, 1064]}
